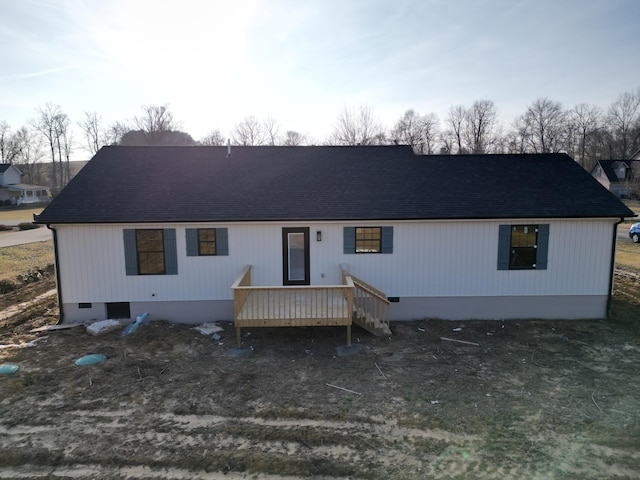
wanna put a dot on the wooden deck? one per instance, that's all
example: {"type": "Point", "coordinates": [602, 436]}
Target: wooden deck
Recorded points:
{"type": "Point", "coordinates": [310, 306]}
{"type": "Point", "coordinates": [294, 307]}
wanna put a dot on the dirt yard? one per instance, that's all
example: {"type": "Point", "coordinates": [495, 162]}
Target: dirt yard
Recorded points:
{"type": "Point", "coordinates": [533, 400]}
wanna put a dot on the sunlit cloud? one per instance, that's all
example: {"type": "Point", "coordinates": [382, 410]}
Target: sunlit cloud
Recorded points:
{"type": "Point", "coordinates": [216, 62]}
{"type": "Point", "coordinates": [27, 75]}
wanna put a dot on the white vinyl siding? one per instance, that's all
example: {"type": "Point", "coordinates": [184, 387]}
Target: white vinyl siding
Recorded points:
{"type": "Point", "coordinates": [11, 176]}
{"type": "Point", "coordinates": [430, 259]}
{"type": "Point", "coordinates": [460, 258]}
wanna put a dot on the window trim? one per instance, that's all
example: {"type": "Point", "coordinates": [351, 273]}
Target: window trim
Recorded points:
{"type": "Point", "coordinates": [367, 235]}
{"type": "Point", "coordinates": [505, 249]}
{"type": "Point", "coordinates": [201, 242]}
{"type": "Point", "coordinates": [386, 240]}
{"type": "Point", "coordinates": [131, 251]}
{"type": "Point", "coordinates": [139, 253]}
{"type": "Point", "coordinates": [193, 244]}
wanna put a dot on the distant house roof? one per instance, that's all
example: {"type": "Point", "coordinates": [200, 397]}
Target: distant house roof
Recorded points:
{"type": "Point", "coordinates": [608, 168]}
{"type": "Point", "coordinates": [203, 184]}
{"type": "Point", "coordinates": [6, 166]}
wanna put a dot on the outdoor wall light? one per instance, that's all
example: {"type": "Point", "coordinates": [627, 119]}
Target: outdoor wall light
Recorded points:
{"type": "Point", "coordinates": [319, 236]}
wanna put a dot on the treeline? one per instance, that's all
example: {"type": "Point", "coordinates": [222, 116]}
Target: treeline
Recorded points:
{"type": "Point", "coordinates": [586, 132]}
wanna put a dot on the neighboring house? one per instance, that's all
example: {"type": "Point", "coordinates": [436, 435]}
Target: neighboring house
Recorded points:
{"type": "Point", "coordinates": [15, 193]}
{"type": "Point", "coordinates": [167, 230]}
{"type": "Point", "coordinates": [618, 176]}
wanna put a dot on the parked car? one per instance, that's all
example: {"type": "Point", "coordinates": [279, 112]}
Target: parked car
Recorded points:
{"type": "Point", "coordinates": [634, 233]}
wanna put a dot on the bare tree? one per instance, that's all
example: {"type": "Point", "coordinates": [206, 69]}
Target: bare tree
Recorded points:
{"type": "Point", "coordinates": [155, 118]}
{"type": "Point", "coordinates": [271, 130]}
{"type": "Point", "coordinates": [67, 149]}
{"type": "Point", "coordinates": [479, 124]}
{"type": "Point", "coordinates": [407, 131]}
{"type": "Point", "coordinates": [115, 132]}
{"type": "Point", "coordinates": [456, 122]}
{"type": "Point", "coordinates": [155, 127]}
{"type": "Point", "coordinates": [9, 147]}
{"type": "Point", "coordinates": [624, 120]}
{"type": "Point", "coordinates": [500, 142]}
{"type": "Point", "coordinates": [419, 131]}
{"type": "Point", "coordinates": [249, 132]}
{"type": "Point", "coordinates": [93, 132]}
{"type": "Point", "coordinates": [545, 124]}
{"type": "Point", "coordinates": [30, 154]}
{"type": "Point", "coordinates": [293, 138]}
{"type": "Point", "coordinates": [52, 124]}
{"type": "Point", "coordinates": [430, 132]}
{"type": "Point", "coordinates": [585, 122]}
{"type": "Point", "coordinates": [357, 127]}
{"type": "Point", "coordinates": [516, 138]}
{"type": "Point", "coordinates": [213, 138]}
{"type": "Point", "coordinates": [63, 142]}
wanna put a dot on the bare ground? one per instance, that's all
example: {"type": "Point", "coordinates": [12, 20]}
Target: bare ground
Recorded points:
{"type": "Point", "coordinates": [535, 400]}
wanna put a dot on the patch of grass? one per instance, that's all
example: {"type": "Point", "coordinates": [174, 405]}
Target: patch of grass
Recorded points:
{"type": "Point", "coordinates": [25, 214]}
{"type": "Point", "coordinates": [632, 204]}
{"type": "Point", "coordinates": [307, 436]}
{"type": "Point", "coordinates": [7, 286]}
{"type": "Point", "coordinates": [628, 255]}
{"type": "Point", "coordinates": [27, 226]}
{"type": "Point", "coordinates": [21, 259]}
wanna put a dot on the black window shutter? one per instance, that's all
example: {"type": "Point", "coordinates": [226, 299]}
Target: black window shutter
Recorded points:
{"type": "Point", "coordinates": [192, 242]}
{"type": "Point", "coordinates": [222, 241]}
{"type": "Point", "coordinates": [349, 234]}
{"type": "Point", "coordinates": [386, 240]}
{"type": "Point", "coordinates": [170, 252]}
{"type": "Point", "coordinates": [543, 247]}
{"type": "Point", "coordinates": [504, 246]}
{"type": "Point", "coordinates": [130, 251]}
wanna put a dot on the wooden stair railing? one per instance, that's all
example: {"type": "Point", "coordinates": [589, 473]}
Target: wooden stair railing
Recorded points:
{"type": "Point", "coordinates": [370, 306]}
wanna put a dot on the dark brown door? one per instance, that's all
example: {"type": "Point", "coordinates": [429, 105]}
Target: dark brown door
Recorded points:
{"type": "Point", "coordinates": [295, 256]}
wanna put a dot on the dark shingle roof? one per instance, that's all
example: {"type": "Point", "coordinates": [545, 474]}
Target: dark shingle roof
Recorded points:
{"type": "Point", "coordinates": [175, 184]}
{"type": "Point", "coordinates": [607, 168]}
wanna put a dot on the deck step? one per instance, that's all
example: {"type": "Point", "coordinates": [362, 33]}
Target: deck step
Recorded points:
{"type": "Point", "coordinates": [370, 323]}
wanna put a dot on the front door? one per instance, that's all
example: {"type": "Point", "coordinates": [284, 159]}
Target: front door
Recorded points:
{"type": "Point", "coordinates": [295, 256]}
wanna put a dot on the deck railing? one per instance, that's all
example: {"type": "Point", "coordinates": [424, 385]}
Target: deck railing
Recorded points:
{"type": "Point", "coordinates": [240, 294]}
{"type": "Point", "coordinates": [371, 305]}
{"type": "Point", "coordinates": [291, 306]}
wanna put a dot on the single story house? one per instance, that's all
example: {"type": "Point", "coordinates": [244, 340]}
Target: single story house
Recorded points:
{"type": "Point", "coordinates": [170, 230]}
{"type": "Point", "coordinates": [16, 193]}
{"type": "Point", "coordinates": [618, 176]}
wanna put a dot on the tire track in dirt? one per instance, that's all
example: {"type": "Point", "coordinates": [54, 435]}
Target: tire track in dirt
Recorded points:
{"type": "Point", "coordinates": [382, 444]}
{"type": "Point", "coordinates": [141, 472]}
{"type": "Point", "coordinates": [20, 307]}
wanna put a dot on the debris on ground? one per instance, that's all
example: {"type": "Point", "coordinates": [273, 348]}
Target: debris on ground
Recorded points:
{"type": "Point", "coordinates": [103, 326]}
{"type": "Point", "coordinates": [52, 328]}
{"type": "Point", "coordinates": [91, 359]}
{"type": "Point", "coordinates": [132, 328]}
{"type": "Point", "coordinates": [209, 329]}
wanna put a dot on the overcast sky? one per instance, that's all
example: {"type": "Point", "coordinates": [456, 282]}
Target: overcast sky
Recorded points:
{"type": "Point", "coordinates": [302, 61]}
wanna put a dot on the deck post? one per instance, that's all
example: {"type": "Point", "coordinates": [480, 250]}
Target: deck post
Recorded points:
{"type": "Point", "coordinates": [238, 342]}
{"type": "Point", "coordinates": [348, 335]}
